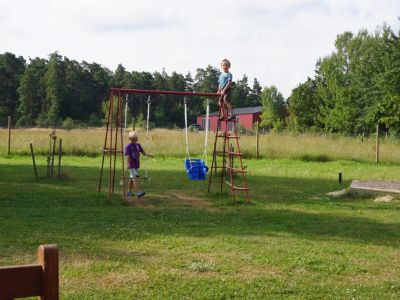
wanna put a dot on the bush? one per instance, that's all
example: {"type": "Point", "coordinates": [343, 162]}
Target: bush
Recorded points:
{"type": "Point", "coordinates": [94, 121]}
{"type": "Point", "coordinates": [70, 123]}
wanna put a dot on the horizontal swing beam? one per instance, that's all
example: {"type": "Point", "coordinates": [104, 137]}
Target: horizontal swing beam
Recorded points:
{"type": "Point", "coordinates": [161, 92]}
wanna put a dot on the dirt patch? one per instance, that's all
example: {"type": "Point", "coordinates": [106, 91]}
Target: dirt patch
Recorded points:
{"type": "Point", "coordinates": [188, 200]}
{"type": "Point", "coordinates": [340, 193]}
{"type": "Point", "coordinates": [143, 201]}
{"type": "Point", "coordinates": [172, 198]}
{"type": "Point", "coordinates": [384, 199]}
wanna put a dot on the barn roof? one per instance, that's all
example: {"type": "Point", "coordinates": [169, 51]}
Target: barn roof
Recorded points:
{"type": "Point", "coordinates": [240, 111]}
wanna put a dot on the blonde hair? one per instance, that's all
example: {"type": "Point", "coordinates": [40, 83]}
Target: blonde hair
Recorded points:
{"type": "Point", "coordinates": [133, 135]}
{"type": "Point", "coordinates": [226, 61]}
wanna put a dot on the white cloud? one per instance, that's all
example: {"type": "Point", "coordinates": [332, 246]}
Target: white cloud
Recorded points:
{"type": "Point", "coordinates": [278, 42]}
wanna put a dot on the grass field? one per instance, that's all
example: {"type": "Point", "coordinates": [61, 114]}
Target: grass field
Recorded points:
{"type": "Point", "coordinates": [292, 242]}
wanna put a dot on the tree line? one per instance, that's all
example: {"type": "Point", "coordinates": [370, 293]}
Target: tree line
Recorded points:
{"type": "Point", "coordinates": [353, 89]}
{"type": "Point", "coordinates": [58, 91]}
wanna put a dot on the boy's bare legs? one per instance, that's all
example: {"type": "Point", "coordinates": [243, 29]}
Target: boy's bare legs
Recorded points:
{"type": "Point", "coordinates": [221, 109]}
{"type": "Point", "coordinates": [228, 106]}
{"type": "Point", "coordinates": [133, 183]}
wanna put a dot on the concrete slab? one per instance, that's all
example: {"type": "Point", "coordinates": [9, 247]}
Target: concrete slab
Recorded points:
{"type": "Point", "coordinates": [375, 187]}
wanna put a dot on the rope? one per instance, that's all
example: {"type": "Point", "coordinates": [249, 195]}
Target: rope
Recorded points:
{"type": "Point", "coordinates": [206, 129]}
{"type": "Point", "coordinates": [147, 121]}
{"type": "Point", "coordinates": [126, 112]}
{"type": "Point", "coordinates": [186, 132]}
{"type": "Point", "coordinates": [147, 129]}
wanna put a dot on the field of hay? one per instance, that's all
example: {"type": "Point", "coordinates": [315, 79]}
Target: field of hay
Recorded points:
{"type": "Point", "coordinates": [171, 143]}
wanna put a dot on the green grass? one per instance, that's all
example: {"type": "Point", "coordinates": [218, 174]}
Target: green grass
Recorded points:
{"type": "Point", "coordinates": [292, 242]}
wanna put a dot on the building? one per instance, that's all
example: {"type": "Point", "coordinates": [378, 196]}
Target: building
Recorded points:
{"type": "Point", "coordinates": [245, 116]}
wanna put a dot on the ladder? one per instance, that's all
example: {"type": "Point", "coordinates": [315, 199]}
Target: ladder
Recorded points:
{"type": "Point", "coordinates": [224, 157]}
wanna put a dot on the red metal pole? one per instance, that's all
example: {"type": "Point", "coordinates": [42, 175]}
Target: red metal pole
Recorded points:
{"type": "Point", "coordinates": [158, 92]}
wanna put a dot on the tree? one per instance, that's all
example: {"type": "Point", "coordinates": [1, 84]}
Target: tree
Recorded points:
{"type": "Point", "coordinates": [304, 106]}
{"type": "Point", "coordinates": [11, 69]}
{"type": "Point", "coordinates": [55, 91]}
{"type": "Point", "coordinates": [240, 93]}
{"type": "Point", "coordinates": [274, 108]}
{"type": "Point", "coordinates": [254, 98]}
{"type": "Point", "coordinates": [32, 92]}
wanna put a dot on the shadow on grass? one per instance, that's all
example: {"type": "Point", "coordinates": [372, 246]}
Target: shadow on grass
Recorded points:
{"type": "Point", "coordinates": [61, 211]}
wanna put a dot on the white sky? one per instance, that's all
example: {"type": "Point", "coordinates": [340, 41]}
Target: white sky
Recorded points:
{"type": "Point", "coordinates": [278, 42]}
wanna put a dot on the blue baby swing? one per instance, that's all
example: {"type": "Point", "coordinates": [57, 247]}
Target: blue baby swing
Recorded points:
{"type": "Point", "coordinates": [196, 169]}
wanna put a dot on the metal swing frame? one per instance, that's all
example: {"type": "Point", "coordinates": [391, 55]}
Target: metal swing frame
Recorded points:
{"type": "Point", "coordinates": [113, 141]}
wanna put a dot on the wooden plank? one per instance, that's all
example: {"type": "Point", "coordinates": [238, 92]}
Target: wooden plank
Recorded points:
{"type": "Point", "coordinates": [20, 281]}
{"type": "Point", "coordinates": [375, 186]}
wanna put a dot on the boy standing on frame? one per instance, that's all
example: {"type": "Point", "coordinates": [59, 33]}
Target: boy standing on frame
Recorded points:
{"type": "Point", "coordinates": [132, 151]}
{"type": "Point", "coordinates": [224, 89]}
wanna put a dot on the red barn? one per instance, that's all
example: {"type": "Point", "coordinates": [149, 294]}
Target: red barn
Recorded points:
{"type": "Point", "coordinates": [245, 116]}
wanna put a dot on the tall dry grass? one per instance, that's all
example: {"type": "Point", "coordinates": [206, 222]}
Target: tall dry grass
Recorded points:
{"type": "Point", "coordinates": [171, 143]}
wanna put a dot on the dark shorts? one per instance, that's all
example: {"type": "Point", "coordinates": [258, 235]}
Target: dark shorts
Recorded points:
{"type": "Point", "coordinates": [227, 96]}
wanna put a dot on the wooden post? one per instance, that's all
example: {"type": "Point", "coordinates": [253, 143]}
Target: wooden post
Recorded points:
{"type": "Point", "coordinates": [232, 157]}
{"type": "Point", "coordinates": [53, 152]}
{"type": "Point", "coordinates": [377, 144]}
{"type": "Point", "coordinates": [9, 135]}
{"type": "Point", "coordinates": [33, 160]}
{"type": "Point", "coordinates": [59, 158]}
{"type": "Point", "coordinates": [257, 138]}
{"type": "Point", "coordinates": [48, 166]}
{"type": "Point", "coordinates": [48, 259]}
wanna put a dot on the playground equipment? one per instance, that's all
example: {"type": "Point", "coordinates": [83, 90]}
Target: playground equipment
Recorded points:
{"type": "Point", "coordinates": [113, 146]}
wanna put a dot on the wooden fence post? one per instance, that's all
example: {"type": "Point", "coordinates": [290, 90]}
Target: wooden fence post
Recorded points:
{"type": "Point", "coordinates": [53, 152]}
{"type": "Point", "coordinates": [59, 158]}
{"type": "Point", "coordinates": [257, 138]}
{"type": "Point", "coordinates": [33, 160]}
{"type": "Point", "coordinates": [9, 135]}
{"type": "Point", "coordinates": [377, 144]}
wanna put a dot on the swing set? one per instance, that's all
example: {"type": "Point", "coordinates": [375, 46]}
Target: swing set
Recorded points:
{"type": "Point", "coordinates": [196, 169]}
{"type": "Point", "coordinates": [113, 144]}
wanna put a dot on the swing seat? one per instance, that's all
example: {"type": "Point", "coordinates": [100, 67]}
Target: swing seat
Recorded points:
{"type": "Point", "coordinates": [196, 169]}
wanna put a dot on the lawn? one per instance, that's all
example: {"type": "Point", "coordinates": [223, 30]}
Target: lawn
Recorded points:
{"type": "Point", "coordinates": [179, 242]}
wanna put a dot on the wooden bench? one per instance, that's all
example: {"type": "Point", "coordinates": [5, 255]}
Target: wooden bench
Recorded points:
{"type": "Point", "coordinates": [32, 280]}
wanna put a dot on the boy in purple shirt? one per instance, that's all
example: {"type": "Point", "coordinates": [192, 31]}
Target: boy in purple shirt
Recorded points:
{"type": "Point", "coordinates": [132, 152]}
